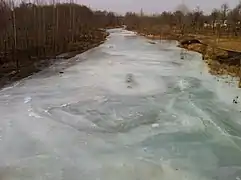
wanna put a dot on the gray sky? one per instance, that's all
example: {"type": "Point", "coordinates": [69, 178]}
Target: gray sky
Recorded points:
{"type": "Point", "coordinates": [153, 6]}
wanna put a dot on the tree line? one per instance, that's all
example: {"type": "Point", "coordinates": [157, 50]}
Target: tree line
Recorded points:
{"type": "Point", "coordinates": [222, 21]}
{"type": "Point", "coordinates": [31, 31]}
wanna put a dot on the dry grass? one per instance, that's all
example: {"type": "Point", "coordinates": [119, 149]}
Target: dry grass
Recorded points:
{"type": "Point", "coordinates": [227, 43]}
{"type": "Point", "coordinates": [233, 45]}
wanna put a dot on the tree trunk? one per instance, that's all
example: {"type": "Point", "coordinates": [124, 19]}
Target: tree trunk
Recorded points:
{"type": "Point", "coordinates": [14, 39]}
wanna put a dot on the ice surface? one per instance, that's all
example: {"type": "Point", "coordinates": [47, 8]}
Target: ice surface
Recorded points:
{"type": "Point", "coordinates": [176, 122]}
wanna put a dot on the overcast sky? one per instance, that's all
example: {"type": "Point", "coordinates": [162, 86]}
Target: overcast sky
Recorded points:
{"type": "Point", "coordinates": [153, 6]}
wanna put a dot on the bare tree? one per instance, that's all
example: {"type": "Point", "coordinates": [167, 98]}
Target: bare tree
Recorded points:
{"type": "Point", "coordinates": [214, 17]}
{"type": "Point", "coordinates": [31, 30]}
{"type": "Point", "coordinates": [224, 11]}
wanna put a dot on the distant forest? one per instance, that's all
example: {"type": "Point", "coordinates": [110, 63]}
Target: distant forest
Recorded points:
{"type": "Point", "coordinates": [221, 21]}
{"type": "Point", "coordinates": [40, 30]}
{"type": "Point", "coordinates": [31, 31]}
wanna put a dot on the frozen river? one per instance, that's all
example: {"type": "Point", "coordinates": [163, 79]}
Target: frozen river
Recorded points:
{"type": "Point", "coordinates": [173, 121]}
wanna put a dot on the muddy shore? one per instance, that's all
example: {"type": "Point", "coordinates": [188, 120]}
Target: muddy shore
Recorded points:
{"type": "Point", "coordinates": [9, 74]}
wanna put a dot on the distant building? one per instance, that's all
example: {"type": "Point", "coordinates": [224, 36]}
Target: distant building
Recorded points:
{"type": "Point", "coordinates": [217, 23]}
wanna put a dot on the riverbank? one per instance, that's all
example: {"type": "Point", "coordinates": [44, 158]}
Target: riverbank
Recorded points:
{"type": "Point", "coordinates": [222, 56]}
{"type": "Point", "coordinates": [29, 66]}
{"type": "Point", "coordinates": [219, 61]}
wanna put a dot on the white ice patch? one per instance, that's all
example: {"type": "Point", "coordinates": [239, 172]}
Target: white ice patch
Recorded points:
{"type": "Point", "coordinates": [155, 125]}
{"type": "Point", "coordinates": [32, 113]}
{"type": "Point", "coordinates": [64, 105]}
{"type": "Point", "coordinates": [27, 100]}
{"type": "Point", "coordinates": [182, 84]}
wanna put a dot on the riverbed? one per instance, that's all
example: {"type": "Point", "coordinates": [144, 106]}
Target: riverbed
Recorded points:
{"type": "Point", "coordinates": [81, 118]}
